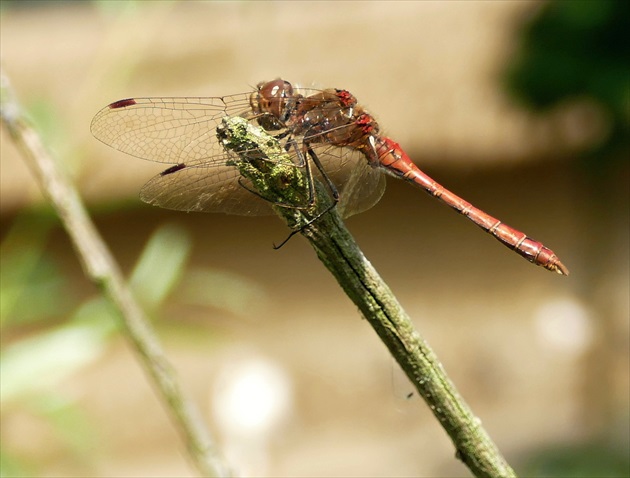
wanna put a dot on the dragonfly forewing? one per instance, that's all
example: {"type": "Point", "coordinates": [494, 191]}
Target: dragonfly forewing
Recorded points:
{"type": "Point", "coordinates": [167, 130]}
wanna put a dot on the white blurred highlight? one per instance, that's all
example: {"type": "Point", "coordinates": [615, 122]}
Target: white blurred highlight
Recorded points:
{"type": "Point", "coordinates": [252, 399]}
{"type": "Point", "coordinates": [564, 325]}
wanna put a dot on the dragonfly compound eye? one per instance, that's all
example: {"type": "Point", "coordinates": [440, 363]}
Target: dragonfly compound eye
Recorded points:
{"type": "Point", "coordinates": [274, 98]}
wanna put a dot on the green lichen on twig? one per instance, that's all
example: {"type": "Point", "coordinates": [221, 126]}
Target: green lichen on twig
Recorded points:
{"type": "Point", "coordinates": [274, 176]}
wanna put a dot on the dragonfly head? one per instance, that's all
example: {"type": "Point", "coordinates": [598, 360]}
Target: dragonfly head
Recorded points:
{"type": "Point", "coordinates": [275, 100]}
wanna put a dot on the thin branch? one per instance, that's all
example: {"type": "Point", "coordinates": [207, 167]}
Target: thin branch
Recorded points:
{"type": "Point", "coordinates": [101, 268]}
{"type": "Point", "coordinates": [271, 172]}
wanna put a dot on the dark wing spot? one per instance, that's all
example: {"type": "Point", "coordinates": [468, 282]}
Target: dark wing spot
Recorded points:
{"type": "Point", "coordinates": [122, 103]}
{"type": "Point", "coordinates": [173, 169]}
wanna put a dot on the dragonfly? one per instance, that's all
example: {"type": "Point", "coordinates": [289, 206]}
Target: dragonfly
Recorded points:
{"type": "Point", "coordinates": [326, 127]}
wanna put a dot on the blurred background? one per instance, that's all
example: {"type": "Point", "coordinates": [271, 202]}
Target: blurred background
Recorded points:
{"type": "Point", "coordinates": [522, 108]}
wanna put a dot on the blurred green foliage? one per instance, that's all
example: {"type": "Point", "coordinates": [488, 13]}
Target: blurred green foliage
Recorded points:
{"type": "Point", "coordinates": [576, 49]}
{"type": "Point", "coordinates": [31, 286]}
{"type": "Point", "coordinates": [35, 292]}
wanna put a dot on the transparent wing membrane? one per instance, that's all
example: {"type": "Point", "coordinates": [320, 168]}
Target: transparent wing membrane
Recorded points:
{"type": "Point", "coordinates": [182, 131]}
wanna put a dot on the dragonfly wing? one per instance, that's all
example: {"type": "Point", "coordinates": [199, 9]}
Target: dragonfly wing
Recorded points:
{"type": "Point", "coordinates": [203, 188]}
{"type": "Point", "coordinates": [182, 131]}
{"type": "Point", "coordinates": [363, 189]}
{"type": "Point", "coordinates": [360, 186]}
{"type": "Point", "coordinates": [166, 130]}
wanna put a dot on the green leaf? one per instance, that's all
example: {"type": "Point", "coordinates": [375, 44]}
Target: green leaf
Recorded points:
{"type": "Point", "coordinates": [40, 362]}
{"type": "Point", "coordinates": [161, 265]}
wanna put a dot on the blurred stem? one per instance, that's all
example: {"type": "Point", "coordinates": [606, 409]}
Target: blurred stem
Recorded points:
{"type": "Point", "coordinates": [101, 268]}
{"type": "Point", "coordinates": [273, 175]}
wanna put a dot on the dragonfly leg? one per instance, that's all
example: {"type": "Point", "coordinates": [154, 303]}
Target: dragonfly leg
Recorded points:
{"type": "Point", "coordinates": [311, 185]}
{"type": "Point", "coordinates": [291, 234]}
{"type": "Point", "coordinates": [329, 183]}
{"type": "Point", "coordinates": [301, 163]}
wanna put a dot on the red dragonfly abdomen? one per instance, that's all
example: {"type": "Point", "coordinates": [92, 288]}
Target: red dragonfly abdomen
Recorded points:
{"type": "Point", "coordinates": [394, 159]}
